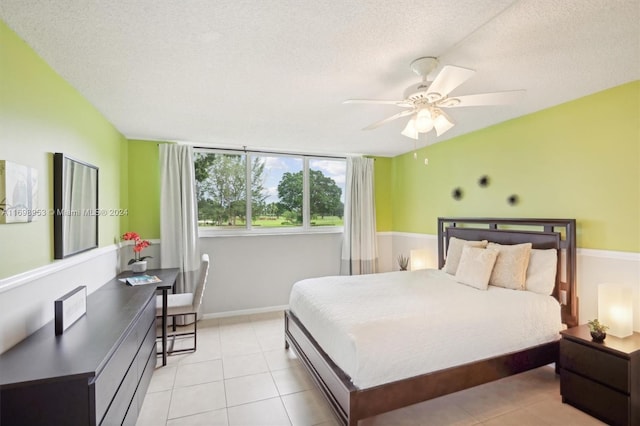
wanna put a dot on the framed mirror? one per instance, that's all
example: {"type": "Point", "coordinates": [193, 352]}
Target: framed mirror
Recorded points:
{"type": "Point", "coordinates": [75, 206]}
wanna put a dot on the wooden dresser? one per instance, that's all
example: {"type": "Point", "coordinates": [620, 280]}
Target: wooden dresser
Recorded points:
{"type": "Point", "coordinates": [95, 373]}
{"type": "Point", "coordinates": [602, 379]}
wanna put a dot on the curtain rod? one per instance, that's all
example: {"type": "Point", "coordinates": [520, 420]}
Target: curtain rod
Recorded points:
{"type": "Point", "coordinates": [269, 152]}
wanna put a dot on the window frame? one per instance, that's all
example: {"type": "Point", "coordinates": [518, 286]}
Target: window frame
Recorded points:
{"type": "Point", "coordinates": [305, 228]}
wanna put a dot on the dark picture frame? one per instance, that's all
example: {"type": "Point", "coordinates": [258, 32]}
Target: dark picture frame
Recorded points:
{"type": "Point", "coordinates": [75, 206]}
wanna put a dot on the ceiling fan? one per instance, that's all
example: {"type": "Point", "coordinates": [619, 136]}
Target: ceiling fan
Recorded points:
{"type": "Point", "coordinates": [426, 101]}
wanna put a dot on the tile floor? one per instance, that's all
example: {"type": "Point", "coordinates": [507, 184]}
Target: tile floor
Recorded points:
{"type": "Point", "coordinates": [241, 375]}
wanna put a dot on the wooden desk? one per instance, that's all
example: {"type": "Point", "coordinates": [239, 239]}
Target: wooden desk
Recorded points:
{"type": "Point", "coordinates": [168, 277]}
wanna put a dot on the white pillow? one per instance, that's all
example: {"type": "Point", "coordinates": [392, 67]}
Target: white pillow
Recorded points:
{"type": "Point", "coordinates": [475, 266]}
{"type": "Point", "coordinates": [454, 251]}
{"type": "Point", "coordinates": [541, 273]}
{"type": "Point", "coordinates": [510, 270]}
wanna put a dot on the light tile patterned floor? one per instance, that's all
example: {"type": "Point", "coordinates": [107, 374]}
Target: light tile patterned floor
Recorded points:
{"type": "Point", "coordinates": [241, 375]}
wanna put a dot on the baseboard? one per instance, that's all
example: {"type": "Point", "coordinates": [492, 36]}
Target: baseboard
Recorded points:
{"type": "Point", "coordinates": [245, 312]}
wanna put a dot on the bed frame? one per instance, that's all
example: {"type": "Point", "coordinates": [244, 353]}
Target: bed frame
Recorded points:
{"type": "Point", "coordinates": [351, 404]}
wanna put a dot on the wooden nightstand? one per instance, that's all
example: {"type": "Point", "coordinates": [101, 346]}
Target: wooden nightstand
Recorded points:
{"type": "Point", "coordinates": [602, 379]}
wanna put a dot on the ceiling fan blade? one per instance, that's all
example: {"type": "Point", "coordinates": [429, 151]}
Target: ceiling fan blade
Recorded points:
{"type": "Point", "coordinates": [495, 98]}
{"type": "Point", "coordinates": [442, 123]}
{"type": "Point", "coordinates": [388, 119]}
{"type": "Point", "coordinates": [448, 79]}
{"type": "Point", "coordinates": [403, 103]}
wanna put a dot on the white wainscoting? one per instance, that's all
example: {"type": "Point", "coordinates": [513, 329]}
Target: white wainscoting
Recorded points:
{"type": "Point", "coordinates": [27, 299]}
{"type": "Point", "coordinates": [254, 273]}
{"type": "Point", "coordinates": [593, 267]}
{"type": "Point", "coordinates": [394, 244]}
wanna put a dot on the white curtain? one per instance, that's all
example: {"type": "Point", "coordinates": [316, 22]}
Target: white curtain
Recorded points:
{"type": "Point", "coordinates": [359, 244]}
{"type": "Point", "coordinates": [179, 246]}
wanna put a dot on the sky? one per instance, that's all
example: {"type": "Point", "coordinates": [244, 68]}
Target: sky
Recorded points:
{"type": "Point", "coordinates": [275, 167]}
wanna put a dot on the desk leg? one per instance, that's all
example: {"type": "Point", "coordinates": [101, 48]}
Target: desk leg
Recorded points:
{"type": "Point", "coordinates": [164, 327]}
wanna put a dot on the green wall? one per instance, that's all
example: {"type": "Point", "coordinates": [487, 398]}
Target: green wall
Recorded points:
{"type": "Point", "coordinates": [144, 189]}
{"type": "Point", "coordinates": [577, 160]}
{"type": "Point", "coordinates": [382, 176]}
{"type": "Point", "coordinates": [40, 114]}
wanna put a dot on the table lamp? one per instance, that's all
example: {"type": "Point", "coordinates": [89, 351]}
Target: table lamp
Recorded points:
{"type": "Point", "coordinates": [419, 259]}
{"type": "Point", "coordinates": [615, 309]}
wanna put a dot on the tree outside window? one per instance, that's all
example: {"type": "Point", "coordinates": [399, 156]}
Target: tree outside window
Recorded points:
{"type": "Point", "coordinates": [326, 187]}
{"type": "Point", "coordinates": [276, 198]}
{"type": "Point", "coordinates": [275, 211]}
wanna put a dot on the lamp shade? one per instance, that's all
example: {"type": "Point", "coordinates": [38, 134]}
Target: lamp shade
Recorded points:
{"type": "Point", "coordinates": [442, 123]}
{"type": "Point", "coordinates": [424, 122]}
{"type": "Point", "coordinates": [419, 259]}
{"type": "Point", "coordinates": [410, 129]}
{"type": "Point", "coordinates": [615, 309]}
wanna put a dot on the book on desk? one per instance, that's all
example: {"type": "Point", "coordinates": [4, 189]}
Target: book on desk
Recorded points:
{"type": "Point", "coordinates": [142, 280]}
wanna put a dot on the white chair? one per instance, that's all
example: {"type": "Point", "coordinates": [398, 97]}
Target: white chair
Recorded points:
{"type": "Point", "coordinates": [186, 304]}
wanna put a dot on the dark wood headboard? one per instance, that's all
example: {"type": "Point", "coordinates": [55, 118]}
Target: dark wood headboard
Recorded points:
{"type": "Point", "coordinates": [541, 233]}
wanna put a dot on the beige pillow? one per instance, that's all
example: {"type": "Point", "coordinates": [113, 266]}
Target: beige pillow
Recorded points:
{"type": "Point", "coordinates": [541, 273]}
{"type": "Point", "coordinates": [475, 266]}
{"type": "Point", "coordinates": [510, 270]}
{"type": "Point", "coordinates": [454, 251]}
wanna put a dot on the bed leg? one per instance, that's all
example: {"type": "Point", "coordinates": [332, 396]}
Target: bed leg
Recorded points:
{"type": "Point", "coordinates": [286, 344]}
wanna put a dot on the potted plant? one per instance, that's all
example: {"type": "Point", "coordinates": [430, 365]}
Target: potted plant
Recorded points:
{"type": "Point", "coordinates": [138, 263]}
{"type": "Point", "coordinates": [403, 261]}
{"type": "Point", "coordinates": [598, 331]}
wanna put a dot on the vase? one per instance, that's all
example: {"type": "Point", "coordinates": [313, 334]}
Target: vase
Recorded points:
{"type": "Point", "coordinates": [139, 266]}
{"type": "Point", "coordinates": [598, 336]}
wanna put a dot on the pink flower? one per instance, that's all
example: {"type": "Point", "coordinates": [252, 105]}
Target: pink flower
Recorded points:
{"type": "Point", "coordinates": [138, 245]}
{"type": "Point", "coordinates": [130, 236]}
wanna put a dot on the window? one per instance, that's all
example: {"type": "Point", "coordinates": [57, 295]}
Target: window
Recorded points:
{"type": "Point", "coordinates": [285, 191]}
{"type": "Point", "coordinates": [278, 201]}
{"type": "Point", "coordinates": [326, 192]}
{"type": "Point", "coordinates": [222, 190]}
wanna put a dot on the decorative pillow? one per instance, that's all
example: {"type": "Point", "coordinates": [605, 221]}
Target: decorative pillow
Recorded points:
{"type": "Point", "coordinates": [541, 273]}
{"type": "Point", "coordinates": [454, 251]}
{"type": "Point", "coordinates": [510, 270]}
{"type": "Point", "coordinates": [475, 266]}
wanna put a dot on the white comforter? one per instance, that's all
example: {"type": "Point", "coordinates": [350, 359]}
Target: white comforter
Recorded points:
{"type": "Point", "coordinates": [381, 328]}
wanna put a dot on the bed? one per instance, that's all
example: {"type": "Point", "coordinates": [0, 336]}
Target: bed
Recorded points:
{"type": "Point", "coordinates": [369, 358]}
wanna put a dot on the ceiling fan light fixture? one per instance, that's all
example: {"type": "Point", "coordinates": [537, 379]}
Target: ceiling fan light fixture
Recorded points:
{"type": "Point", "coordinates": [442, 123]}
{"type": "Point", "coordinates": [424, 66]}
{"type": "Point", "coordinates": [427, 100]}
{"type": "Point", "coordinates": [410, 130]}
{"type": "Point", "coordinates": [424, 121]}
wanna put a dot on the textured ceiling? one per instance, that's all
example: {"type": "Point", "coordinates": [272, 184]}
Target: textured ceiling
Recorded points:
{"type": "Point", "coordinates": [273, 74]}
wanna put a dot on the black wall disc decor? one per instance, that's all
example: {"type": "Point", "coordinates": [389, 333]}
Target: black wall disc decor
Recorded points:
{"type": "Point", "coordinates": [512, 200]}
{"type": "Point", "coordinates": [483, 181]}
{"type": "Point", "coordinates": [457, 194]}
